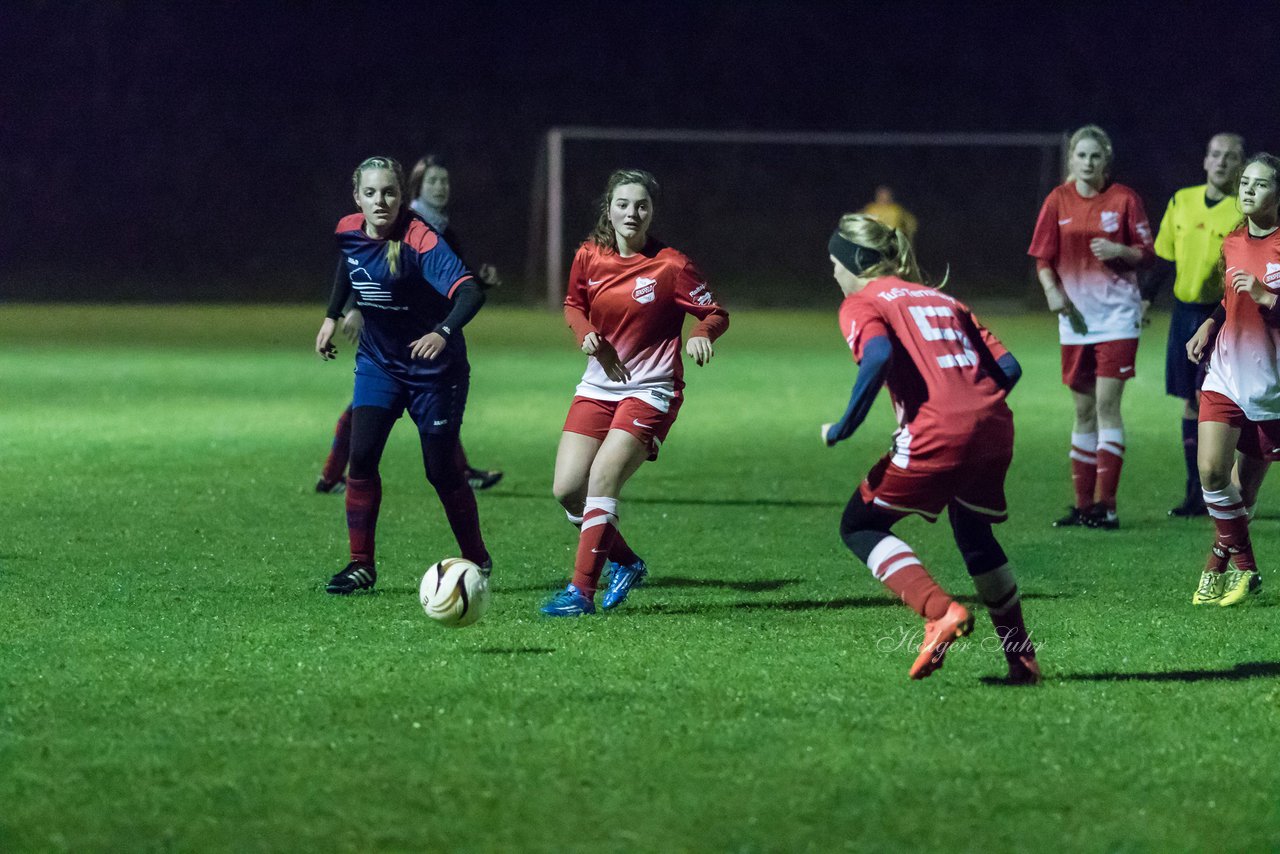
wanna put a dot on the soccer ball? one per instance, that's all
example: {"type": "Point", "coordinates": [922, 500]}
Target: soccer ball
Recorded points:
{"type": "Point", "coordinates": [454, 592]}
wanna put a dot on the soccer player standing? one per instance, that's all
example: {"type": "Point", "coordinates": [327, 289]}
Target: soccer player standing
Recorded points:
{"type": "Point", "coordinates": [948, 377]}
{"type": "Point", "coordinates": [429, 192]}
{"type": "Point", "coordinates": [1090, 239]}
{"type": "Point", "coordinates": [627, 299]}
{"type": "Point", "coordinates": [1240, 399]}
{"type": "Point", "coordinates": [1188, 247]}
{"type": "Point", "coordinates": [416, 295]}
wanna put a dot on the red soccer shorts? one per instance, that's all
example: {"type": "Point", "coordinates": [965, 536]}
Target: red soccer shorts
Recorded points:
{"type": "Point", "coordinates": [971, 474]}
{"type": "Point", "coordinates": [595, 418]}
{"type": "Point", "coordinates": [1258, 439]}
{"type": "Point", "coordinates": [1082, 364]}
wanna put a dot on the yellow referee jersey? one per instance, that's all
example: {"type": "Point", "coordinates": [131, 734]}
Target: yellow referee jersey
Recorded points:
{"type": "Point", "coordinates": [1191, 236]}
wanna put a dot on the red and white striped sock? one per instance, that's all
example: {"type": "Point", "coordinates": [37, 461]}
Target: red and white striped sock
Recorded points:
{"type": "Point", "coordinates": [1231, 521]}
{"type": "Point", "coordinates": [619, 552]}
{"type": "Point", "coordinates": [599, 529]}
{"type": "Point", "coordinates": [894, 564]}
{"type": "Point", "coordinates": [1110, 461]}
{"type": "Point", "coordinates": [1084, 467]}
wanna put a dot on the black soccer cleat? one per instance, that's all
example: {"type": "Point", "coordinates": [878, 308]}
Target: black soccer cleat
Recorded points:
{"type": "Point", "coordinates": [1100, 517]}
{"type": "Point", "coordinates": [1075, 518]}
{"type": "Point", "coordinates": [1192, 506]}
{"type": "Point", "coordinates": [481, 479]}
{"type": "Point", "coordinates": [332, 487]}
{"type": "Point", "coordinates": [356, 576]}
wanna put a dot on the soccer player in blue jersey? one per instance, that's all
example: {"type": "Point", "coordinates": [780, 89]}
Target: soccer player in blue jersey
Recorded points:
{"type": "Point", "coordinates": [429, 193]}
{"type": "Point", "coordinates": [415, 295]}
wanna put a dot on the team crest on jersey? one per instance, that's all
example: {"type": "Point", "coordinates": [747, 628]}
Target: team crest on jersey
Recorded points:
{"type": "Point", "coordinates": [1110, 221]}
{"type": "Point", "coordinates": [643, 292]}
{"type": "Point", "coordinates": [1273, 273]}
{"type": "Point", "coordinates": [363, 283]}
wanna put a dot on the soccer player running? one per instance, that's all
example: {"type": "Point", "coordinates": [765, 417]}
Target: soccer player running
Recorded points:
{"type": "Point", "coordinates": [1091, 238]}
{"type": "Point", "coordinates": [429, 191]}
{"type": "Point", "coordinates": [627, 298]}
{"type": "Point", "coordinates": [416, 295]}
{"type": "Point", "coordinates": [1188, 246]}
{"type": "Point", "coordinates": [1240, 398]}
{"type": "Point", "coordinates": [948, 377]}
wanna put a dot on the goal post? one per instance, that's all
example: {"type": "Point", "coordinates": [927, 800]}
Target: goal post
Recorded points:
{"type": "Point", "coordinates": [1051, 148]}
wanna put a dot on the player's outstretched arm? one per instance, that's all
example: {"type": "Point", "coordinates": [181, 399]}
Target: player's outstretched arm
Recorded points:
{"type": "Point", "coordinates": [877, 357]}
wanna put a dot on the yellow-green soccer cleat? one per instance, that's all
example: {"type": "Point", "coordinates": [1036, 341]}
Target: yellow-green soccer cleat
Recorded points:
{"type": "Point", "coordinates": [1210, 590]}
{"type": "Point", "coordinates": [1239, 585]}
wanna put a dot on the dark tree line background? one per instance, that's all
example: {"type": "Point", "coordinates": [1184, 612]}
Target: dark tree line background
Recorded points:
{"type": "Point", "coordinates": [201, 151]}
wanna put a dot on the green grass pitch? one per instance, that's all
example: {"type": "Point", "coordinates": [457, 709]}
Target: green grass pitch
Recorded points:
{"type": "Point", "coordinates": [173, 677]}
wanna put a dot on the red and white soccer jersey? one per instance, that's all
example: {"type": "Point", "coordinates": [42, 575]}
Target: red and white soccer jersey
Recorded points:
{"type": "Point", "coordinates": [1244, 362]}
{"type": "Point", "coordinates": [1105, 292]}
{"type": "Point", "coordinates": [638, 304]}
{"type": "Point", "coordinates": [950, 408]}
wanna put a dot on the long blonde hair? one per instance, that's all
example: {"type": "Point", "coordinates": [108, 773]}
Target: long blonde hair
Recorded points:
{"type": "Point", "coordinates": [393, 246]}
{"type": "Point", "coordinates": [897, 258]}
{"type": "Point", "coordinates": [603, 235]}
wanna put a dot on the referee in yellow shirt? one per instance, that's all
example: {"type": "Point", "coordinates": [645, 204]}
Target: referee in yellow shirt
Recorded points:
{"type": "Point", "coordinates": [1188, 248]}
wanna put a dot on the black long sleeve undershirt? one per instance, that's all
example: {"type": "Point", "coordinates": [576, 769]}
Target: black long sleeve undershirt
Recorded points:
{"type": "Point", "coordinates": [341, 294]}
{"type": "Point", "coordinates": [467, 300]}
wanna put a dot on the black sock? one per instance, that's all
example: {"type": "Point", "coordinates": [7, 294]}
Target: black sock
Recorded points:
{"type": "Point", "coordinates": [1190, 448]}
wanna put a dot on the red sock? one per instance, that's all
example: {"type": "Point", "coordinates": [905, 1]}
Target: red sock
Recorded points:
{"type": "Point", "coordinates": [1231, 521]}
{"type": "Point", "coordinates": [894, 563]}
{"type": "Point", "coordinates": [619, 552]}
{"type": "Point", "coordinates": [1110, 461]}
{"type": "Point", "coordinates": [340, 450]}
{"type": "Point", "coordinates": [599, 531]}
{"type": "Point", "coordinates": [464, 520]}
{"type": "Point", "coordinates": [363, 498]}
{"type": "Point", "coordinates": [1084, 467]}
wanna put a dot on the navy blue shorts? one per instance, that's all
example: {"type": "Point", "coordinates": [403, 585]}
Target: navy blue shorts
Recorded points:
{"type": "Point", "coordinates": [436, 407]}
{"type": "Point", "coordinates": [1181, 375]}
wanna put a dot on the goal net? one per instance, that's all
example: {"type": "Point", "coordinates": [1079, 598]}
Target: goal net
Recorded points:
{"type": "Point", "coordinates": [755, 209]}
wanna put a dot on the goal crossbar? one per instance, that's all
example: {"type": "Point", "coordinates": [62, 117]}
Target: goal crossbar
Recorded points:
{"type": "Point", "coordinates": [1050, 143]}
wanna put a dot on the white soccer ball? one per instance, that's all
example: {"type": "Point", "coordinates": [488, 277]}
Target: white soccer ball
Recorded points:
{"type": "Point", "coordinates": [454, 592]}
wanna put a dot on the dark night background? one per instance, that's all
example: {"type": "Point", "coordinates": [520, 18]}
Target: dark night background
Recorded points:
{"type": "Point", "coordinates": [202, 151]}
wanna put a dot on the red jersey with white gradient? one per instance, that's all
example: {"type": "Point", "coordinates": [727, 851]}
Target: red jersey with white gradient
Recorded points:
{"type": "Point", "coordinates": [1105, 292]}
{"type": "Point", "coordinates": [940, 379]}
{"type": "Point", "coordinates": [1243, 365]}
{"type": "Point", "coordinates": [638, 304]}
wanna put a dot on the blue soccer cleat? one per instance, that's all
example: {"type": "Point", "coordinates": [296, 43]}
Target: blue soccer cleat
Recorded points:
{"type": "Point", "coordinates": [621, 579]}
{"type": "Point", "coordinates": [569, 602]}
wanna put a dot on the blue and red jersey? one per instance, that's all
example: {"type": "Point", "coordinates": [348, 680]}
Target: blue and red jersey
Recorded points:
{"type": "Point", "coordinates": [401, 307]}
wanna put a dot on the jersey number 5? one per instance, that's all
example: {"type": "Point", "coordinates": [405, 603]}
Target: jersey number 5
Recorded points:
{"type": "Point", "coordinates": [939, 323]}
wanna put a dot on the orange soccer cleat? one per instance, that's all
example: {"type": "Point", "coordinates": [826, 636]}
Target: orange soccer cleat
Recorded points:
{"type": "Point", "coordinates": [938, 636]}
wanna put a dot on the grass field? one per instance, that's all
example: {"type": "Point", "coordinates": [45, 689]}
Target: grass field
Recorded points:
{"type": "Point", "coordinates": [172, 676]}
